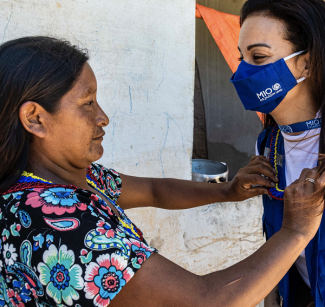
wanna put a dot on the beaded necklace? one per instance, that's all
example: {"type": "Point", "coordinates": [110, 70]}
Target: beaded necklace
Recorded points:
{"type": "Point", "coordinates": [30, 177]}
{"type": "Point", "coordinates": [30, 181]}
{"type": "Point", "coordinates": [276, 192]}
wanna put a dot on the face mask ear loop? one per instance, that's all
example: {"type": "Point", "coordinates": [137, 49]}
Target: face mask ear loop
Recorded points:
{"type": "Point", "coordinates": [293, 55]}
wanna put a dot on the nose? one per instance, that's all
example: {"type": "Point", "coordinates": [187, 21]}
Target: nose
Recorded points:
{"type": "Point", "coordinates": [102, 118]}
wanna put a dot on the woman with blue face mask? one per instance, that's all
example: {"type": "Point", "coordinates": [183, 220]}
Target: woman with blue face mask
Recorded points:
{"type": "Point", "coordinates": [282, 75]}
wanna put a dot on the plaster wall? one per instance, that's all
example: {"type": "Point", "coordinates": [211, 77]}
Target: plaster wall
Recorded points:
{"type": "Point", "coordinates": [143, 56]}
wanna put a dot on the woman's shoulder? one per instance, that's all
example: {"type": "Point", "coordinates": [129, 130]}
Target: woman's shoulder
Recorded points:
{"type": "Point", "coordinates": [107, 179]}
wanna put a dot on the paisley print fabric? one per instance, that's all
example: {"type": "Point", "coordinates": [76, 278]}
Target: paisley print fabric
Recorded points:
{"type": "Point", "coordinates": [64, 246]}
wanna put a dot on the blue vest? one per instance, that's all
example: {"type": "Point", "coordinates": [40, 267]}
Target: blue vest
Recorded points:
{"type": "Point", "coordinates": [272, 222]}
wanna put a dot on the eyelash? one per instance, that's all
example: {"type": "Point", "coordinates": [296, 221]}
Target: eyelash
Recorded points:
{"type": "Point", "coordinates": [255, 58]}
{"type": "Point", "coordinates": [259, 57]}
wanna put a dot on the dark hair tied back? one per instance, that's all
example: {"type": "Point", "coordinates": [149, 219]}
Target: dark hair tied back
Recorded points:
{"type": "Point", "coordinates": [39, 69]}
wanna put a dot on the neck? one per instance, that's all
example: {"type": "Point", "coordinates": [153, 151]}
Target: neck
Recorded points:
{"type": "Point", "coordinates": [291, 112]}
{"type": "Point", "coordinates": [43, 167]}
{"type": "Point", "coordinates": [294, 116]}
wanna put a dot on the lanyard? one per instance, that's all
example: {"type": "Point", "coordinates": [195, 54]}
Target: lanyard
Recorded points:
{"type": "Point", "coordinates": [303, 126]}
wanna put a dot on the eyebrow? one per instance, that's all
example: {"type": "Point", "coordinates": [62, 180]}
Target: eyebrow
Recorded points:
{"type": "Point", "coordinates": [257, 45]}
{"type": "Point", "coordinates": [250, 47]}
{"type": "Point", "coordinates": [87, 92]}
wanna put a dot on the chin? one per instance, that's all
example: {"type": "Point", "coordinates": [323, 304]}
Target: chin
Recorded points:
{"type": "Point", "coordinates": [97, 153]}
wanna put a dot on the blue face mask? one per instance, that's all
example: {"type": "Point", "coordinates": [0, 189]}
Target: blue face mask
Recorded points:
{"type": "Point", "coordinates": [262, 88]}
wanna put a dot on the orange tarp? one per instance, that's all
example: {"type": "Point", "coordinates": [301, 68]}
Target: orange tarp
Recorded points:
{"type": "Point", "coordinates": [225, 30]}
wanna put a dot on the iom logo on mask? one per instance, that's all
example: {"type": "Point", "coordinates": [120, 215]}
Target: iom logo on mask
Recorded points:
{"type": "Point", "coordinates": [269, 92]}
{"type": "Point", "coordinates": [276, 87]}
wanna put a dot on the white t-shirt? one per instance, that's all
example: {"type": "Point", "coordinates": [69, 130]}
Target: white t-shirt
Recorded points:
{"type": "Point", "coordinates": [301, 151]}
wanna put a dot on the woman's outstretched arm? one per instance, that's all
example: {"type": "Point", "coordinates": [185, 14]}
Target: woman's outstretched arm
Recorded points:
{"type": "Point", "coordinates": [163, 283]}
{"type": "Point", "coordinates": [182, 194]}
{"type": "Point", "coordinates": [160, 282]}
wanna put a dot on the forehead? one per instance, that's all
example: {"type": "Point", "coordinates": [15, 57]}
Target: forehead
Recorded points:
{"type": "Point", "coordinates": [86, 83]}
{"type": "Point", "coordinates": [259, 29]}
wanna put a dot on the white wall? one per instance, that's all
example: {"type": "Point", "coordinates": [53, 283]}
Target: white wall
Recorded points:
{"type": "Point", "coordinates": [143, 54]}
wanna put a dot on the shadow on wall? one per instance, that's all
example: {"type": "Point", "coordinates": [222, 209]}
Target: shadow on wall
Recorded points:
{"type": "Point", "coordinates": [200, 146]}
{"type": "Point", "coordinates": [227, 153]}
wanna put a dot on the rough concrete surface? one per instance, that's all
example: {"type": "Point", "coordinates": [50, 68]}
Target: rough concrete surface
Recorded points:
{"type": "Point", "coordinates": [206, 239]}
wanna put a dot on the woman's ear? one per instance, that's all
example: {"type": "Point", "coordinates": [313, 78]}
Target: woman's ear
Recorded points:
{"type": "Point", "coordinates": [32, 117]}
{"type": "Point", "coordinates": [306, 65]}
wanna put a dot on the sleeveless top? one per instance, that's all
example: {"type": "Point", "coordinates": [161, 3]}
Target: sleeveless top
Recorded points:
{"type": "Point", "coordinates": [64, 246]}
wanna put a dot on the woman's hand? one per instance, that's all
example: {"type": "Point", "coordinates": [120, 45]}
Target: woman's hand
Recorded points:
{"type": "Point", "coordinates": [251, 180]}
{"type": "Point", "coordinates": [302, 210]}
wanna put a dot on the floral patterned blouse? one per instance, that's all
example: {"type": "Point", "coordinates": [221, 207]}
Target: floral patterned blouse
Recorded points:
{"type": "Point", "coordinates": [64, 246]}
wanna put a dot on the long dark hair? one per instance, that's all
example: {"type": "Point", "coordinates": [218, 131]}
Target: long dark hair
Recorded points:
{"type": "Point", "coordinates": [40, 69]}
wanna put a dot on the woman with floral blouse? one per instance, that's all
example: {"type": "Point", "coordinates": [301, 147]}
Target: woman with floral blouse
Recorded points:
{"type": "Point", "coordinates": [65, 239]}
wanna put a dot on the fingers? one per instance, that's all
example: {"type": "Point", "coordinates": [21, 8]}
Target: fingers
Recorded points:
{"type": "Point", "coordinates": [320, 183]}
{"type": "Point", "coordinates": [308, 206]}
{"type": "Point", "coordinates": [258, 191]}
{"type": "Point", "coordinates": [261, 160]}
{"type": "Point", "coordinates": [266, 171]}
{"type": "Point", "coordinates": [261, 166]}
{"type": "Point", "coordinates": [308, 173]}
{"type": "Point", "coordinates": [255, 179]}
{"type": "Point", "coordinates": [302, 188]}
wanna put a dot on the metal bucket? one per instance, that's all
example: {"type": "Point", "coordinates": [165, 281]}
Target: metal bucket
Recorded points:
{"type": "Point", "coordinates": [209, 171]}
